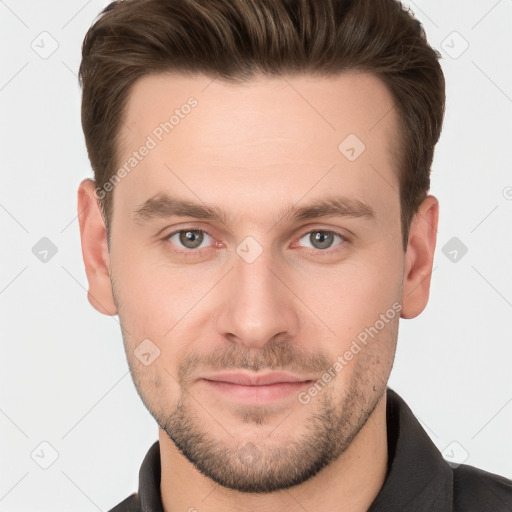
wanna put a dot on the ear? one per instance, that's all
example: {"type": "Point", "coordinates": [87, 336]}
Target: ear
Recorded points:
{"type": "Point", "coordinates": [419, 258]}
{"type": "Point", "coordinates": [94, 249]}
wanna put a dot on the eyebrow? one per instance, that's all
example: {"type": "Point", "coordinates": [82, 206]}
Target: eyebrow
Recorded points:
{"type": "Point", "coordinates": [164, 206]}
{"type": "Point", "coordinates": [328, 207]}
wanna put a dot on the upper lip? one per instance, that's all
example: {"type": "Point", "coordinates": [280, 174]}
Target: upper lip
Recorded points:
{"type": "Point", "coordinates": [247, 379]}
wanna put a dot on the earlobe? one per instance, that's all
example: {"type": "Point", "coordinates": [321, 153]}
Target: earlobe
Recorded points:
{"type": "Point", "coordinates": [94, 250]}
{"type": "Point", "coordinates": [419, 258]}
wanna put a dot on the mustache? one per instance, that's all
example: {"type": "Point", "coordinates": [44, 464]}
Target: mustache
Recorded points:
{"type": "Point", "coordinates": [282, 356]}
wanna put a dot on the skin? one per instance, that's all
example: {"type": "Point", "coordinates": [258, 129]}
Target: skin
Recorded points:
{"type": "Point", "coordinates": [255, 150]}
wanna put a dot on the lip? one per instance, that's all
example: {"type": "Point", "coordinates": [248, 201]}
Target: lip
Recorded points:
{"type": "Point", "coordinates": [246, 379]}
{"type": "Point", "coordinates": [256, 389]}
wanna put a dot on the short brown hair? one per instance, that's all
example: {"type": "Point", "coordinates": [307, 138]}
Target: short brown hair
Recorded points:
{"type": "Point", "coordinates": [235, 39]}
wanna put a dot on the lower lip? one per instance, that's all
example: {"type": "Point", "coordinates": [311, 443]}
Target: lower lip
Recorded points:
{"type": "Point", "coordinates": [257, 394]}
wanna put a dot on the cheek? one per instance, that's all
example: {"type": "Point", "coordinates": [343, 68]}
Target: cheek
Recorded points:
{"type": "Point", "coordinates": [142, 309]}
{"type": "Point", "coordinates": [157, 301]}
{"type": "Point", "coordinates": [353, 295]}
{"type": "Point", "coordinates": [363, 311]}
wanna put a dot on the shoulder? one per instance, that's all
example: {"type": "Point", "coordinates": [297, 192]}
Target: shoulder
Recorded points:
{"type": "Point", "coordinates": [476, 490]}
{"type": "Point", "coordinates": [130, 504]}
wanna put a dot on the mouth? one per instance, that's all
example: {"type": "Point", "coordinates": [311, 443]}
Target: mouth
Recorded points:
{"type": "Point", "coordinates": [256, 389]}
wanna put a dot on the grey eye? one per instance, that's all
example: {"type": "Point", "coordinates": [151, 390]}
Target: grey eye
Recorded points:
{"type": "Point", "coordinates": [189, 238]}
{"type": "Point", "coordinates": [320, 239]}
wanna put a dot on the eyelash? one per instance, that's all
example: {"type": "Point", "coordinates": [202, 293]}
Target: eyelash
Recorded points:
{"type": "Point", "coordinates": [198, 252]}
{"type": "Point", "coordinates": [187, 252]}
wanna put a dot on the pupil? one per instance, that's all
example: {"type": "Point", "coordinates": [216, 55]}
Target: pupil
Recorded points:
{"type": "Point", "coordinates": [191, 239]}
{"type": "Point", "coordinates": [321, 239]}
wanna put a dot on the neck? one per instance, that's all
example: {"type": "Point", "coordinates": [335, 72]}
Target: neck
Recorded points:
{"type": "Point", "coordinates": [349, 484]}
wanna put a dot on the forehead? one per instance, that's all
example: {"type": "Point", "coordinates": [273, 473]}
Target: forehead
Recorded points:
{"type": "Point", "coordinates": [272, 135]}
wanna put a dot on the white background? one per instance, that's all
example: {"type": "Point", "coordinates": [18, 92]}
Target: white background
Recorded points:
{"type": "Point", "coordinates": [63, 373]}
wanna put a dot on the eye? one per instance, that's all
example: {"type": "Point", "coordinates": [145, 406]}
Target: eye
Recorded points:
{"type": "Point", "coordinates": [190, 238]}
{"type": "Point", "coordinates": [320, 239]}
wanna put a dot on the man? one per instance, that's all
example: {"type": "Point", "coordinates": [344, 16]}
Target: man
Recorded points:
{"type": "Point", "coordinates": [260, 220]}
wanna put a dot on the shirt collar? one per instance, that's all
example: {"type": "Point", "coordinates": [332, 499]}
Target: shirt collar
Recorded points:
{"type": "Point", "coordinates": [418, 477]}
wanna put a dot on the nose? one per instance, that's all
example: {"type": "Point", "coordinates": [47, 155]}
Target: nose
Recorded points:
{"type": "Point", "coordinates": [256, 307]}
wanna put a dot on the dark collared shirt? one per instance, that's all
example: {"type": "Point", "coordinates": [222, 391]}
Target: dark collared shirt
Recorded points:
{"type": "Point", "coordinates": [418, 478]}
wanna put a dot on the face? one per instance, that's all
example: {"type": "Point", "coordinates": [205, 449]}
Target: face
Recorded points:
{"type": "Point", "coordinates": [257, 267]}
